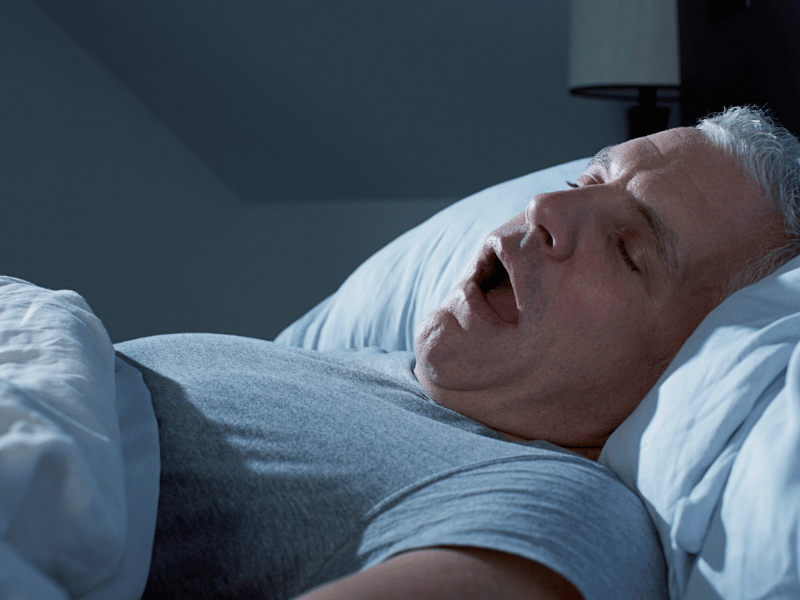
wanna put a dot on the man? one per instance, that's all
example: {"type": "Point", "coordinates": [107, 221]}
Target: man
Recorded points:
{"type": "Point", "coordinates": [605, 282]}
{"type": "Point", "coordinates": [374, 475]}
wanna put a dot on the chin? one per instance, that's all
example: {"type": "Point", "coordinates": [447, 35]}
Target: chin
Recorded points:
{"type": "Point", "coordinates": [435, 340]}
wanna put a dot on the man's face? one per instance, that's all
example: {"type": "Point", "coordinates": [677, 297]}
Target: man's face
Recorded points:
{"type": "Point", "coordinates": [574, 307]}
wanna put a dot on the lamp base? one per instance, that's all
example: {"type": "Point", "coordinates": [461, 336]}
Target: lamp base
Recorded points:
{"type": "Point", "coordinates": [646, 118]}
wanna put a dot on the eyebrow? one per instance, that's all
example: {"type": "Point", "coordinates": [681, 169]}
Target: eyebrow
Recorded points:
{"type": "Point", "coordinates": [602, 159]}
{"type": "Point", "coordinates": [664, 236]}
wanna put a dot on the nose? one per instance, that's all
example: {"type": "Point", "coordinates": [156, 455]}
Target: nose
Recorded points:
{"type": "Point", "coordinates": [560, 220]}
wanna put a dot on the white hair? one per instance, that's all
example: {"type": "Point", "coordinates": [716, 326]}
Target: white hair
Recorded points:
{"type": "Point", "coordinates": [770, 157]}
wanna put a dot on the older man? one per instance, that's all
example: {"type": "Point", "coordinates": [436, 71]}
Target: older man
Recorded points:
{"type": "Point", "coordinates": [598, 288]}
{"type": "Point", "coordinates": [390, 475]}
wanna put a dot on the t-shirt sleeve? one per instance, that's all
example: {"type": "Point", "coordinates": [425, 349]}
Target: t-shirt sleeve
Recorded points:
{"type": "Point", "coordinates": [560, 510]}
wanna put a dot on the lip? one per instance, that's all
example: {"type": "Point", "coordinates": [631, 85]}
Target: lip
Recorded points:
{"type": "Point", "coordinates": [476, 298]}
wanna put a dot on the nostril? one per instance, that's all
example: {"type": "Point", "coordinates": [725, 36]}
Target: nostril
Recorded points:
{"type": "Point", "coordinates": [548, 239]}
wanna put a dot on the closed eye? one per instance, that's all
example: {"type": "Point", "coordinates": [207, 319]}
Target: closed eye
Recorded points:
{"type": "Point", "coordinates": [625, 256]}
{"type": "Point", "coordinates": [623, 250]}
{"type": "Point", "coordinates": [584, 180]}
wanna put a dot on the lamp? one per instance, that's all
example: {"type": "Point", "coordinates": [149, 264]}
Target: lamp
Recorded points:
{"type": "Point", "coordinates": [627, 50]}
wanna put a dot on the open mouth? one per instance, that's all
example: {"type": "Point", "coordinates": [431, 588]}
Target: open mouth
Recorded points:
{"type": "Point", "coordinates": [495, 284]}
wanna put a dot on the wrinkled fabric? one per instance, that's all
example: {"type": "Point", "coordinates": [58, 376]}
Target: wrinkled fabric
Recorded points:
{"type": "Point", "coordinates": [79, 456]}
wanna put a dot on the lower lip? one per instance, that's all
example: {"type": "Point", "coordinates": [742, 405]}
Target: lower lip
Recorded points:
{"type": "Point", "coordinates": [477, 303]}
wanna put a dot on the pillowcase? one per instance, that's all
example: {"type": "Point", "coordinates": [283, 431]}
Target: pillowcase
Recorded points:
{"type": "Point", "coordinates": [385, 299]}
{"type": "Point", "coordinates": [713, 449]}
{"type": "Point", "coordinates": [79, 456]}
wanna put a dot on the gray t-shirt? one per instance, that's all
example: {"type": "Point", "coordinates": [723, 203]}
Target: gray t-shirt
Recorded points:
{"type": "Point", "coordinates": [284, 468]}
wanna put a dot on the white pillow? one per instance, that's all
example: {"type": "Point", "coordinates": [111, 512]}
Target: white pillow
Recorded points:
{"type": "Point", "coordinates": [385, 299]}
{"type": "Point", "coordinates": [714, 448]}
{"type": "Point", "coordinates": [79, 457]}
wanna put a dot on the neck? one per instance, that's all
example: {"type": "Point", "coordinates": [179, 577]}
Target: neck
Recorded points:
{"type": "Point", "coordinates": [590, 452]}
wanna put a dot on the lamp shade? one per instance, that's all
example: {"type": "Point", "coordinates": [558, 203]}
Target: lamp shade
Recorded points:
{"type": "Point", "coordinates": [618, 47]}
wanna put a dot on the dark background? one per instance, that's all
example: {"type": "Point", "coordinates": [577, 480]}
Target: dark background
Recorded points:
{"type": "Point", "coordinates": [349, 99]}
{"type": "Point", "coordinates": [740, 52]}
{"type": "Point", "coordinates": [204, 165]}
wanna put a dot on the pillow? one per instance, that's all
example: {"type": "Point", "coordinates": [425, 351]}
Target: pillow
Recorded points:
{"type": "Point", "coordinates": [79, 457]}
{"type": "Point", "coordinates": [385, 299]}
{"type": "Point", "coordinates": [713, 449]}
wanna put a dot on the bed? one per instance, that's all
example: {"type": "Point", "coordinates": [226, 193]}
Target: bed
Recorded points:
{"type": "Point", "coordinates": [712, 450]}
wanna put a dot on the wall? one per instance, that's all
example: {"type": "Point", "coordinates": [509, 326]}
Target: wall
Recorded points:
{"type": "Point", "coordinates": [99, 197]}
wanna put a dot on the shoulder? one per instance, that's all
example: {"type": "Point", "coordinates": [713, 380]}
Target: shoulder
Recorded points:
{"type": "Point", "coordinates": [548, 507]}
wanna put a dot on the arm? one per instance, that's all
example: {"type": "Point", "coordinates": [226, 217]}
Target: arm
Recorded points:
{"type": "Point", "coordinates": [444, 573]}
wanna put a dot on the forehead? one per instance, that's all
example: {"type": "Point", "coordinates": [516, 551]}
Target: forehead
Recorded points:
{"type": "Point", "coordinates": [681, 156]}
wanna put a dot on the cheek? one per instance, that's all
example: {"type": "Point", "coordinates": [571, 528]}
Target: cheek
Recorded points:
{"type": "Point", "coordinates": [608, 331]}
{"type": "Point", "coordinates": [595, 310]}
{"type": "Point", "coordinates": [679, 321]}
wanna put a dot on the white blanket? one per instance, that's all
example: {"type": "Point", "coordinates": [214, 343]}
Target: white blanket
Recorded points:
{"type": "Point", "coordinates": [79, 459]}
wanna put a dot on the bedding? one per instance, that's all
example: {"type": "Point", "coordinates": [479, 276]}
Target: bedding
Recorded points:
{"type": "Point", "coordinates": [79, 453]}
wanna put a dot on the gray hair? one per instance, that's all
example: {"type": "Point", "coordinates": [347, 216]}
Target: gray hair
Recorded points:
{"type": "Point", "coordinates": [770, 158]}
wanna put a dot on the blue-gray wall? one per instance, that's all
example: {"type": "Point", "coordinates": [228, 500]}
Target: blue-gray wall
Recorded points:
{"type": "Point", "coordinates": [99, 197]}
